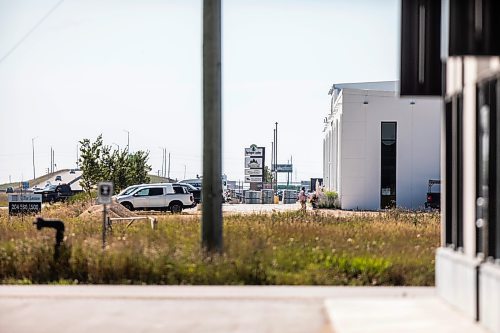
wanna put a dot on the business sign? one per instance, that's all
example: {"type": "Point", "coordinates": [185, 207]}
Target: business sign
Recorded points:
{"type": "Point", "coordinates": [25, 203]}
{"type": "Point", "coordinates": [254, 151]}
{"type": "Point", "coordinates": [284, 168]}
{"type": "Point", "coordinates": [253, 172]}
{"type": "Point", "coordinates": [253, 179]}
{"type": "Point", "coordinates": [254, 163]}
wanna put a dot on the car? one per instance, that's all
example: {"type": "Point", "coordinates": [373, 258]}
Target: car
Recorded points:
{"type": "Point", "coordinates": [196, 192]}
{"type": "Point", "coordinates": [196, 182]}
{"type": "Point", "coordinates": [72, 171]}
{"type": "Point", "coordinates": [158, 197]}
{"type": "Point", "coordinates": [55, 193]}
{"type": "Point", "coordinates": [9, 189]}
{"type": "Point", "coordinates": [58, 178]}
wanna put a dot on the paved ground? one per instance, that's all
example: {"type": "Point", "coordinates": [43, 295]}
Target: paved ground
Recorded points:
{"type": "Point", "coordinates": [126, 309]}
{"type": "Point", "coordinates": [270, 208]}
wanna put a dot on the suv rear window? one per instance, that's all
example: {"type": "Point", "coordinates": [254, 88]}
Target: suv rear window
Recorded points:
{"type": "Point", "coordinates": [155, 191]}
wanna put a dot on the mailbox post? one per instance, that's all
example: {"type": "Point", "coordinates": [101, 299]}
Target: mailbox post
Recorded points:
{"type": "Point", "coordinates": [104, 193]}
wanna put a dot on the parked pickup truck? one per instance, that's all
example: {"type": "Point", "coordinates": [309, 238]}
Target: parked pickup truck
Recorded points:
{"type": "Point", "coordinates": [433, 195]}
{"type": "Point", "coordinates": [158, 197]}
{"type": "Point", "coordinates": [55, 193]}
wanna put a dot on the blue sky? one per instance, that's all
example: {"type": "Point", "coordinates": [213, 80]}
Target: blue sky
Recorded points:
{"type": "Point", "coordinates": [112, 65]}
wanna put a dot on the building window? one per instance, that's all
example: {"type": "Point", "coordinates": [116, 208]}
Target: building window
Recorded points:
{"type": "Point", "coordinates": [487, 166]}
{"type": "Point", "coordinates": [448, 172]}
{"type": "Point", "coordinates": [388, 165]}
{"type": "Point", "coordinates": [454, 225]}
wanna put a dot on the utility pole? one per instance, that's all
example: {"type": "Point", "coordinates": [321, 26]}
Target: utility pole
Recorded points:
{"type": "Point", "coordinates": [276, 154]}
{"type": "Point", "coordinates": [272, 162]}
{"type": "Point", "coordinates": [184, 171]}
{"type": "Point", "coordinates": [168, 175]}
{"type": "Point", "coordinates": [33, 148]}
{"type": "Point", "coordinates": [162, 162]}
{"type": "Point", "coordinates": [288, 177]}
{"type": "Point", "coordinates": [211, 229]}
{"type": "Point", "coordinates": [128, 139]}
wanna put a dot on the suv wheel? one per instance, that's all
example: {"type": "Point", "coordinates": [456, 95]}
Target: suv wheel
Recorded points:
{"type": "Point", "coordinates": [175, 208]}
{"type": "Point", "coordinates": [128, 205]}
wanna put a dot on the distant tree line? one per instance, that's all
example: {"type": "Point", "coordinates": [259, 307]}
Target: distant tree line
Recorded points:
{"type": "Point", "coordinates": [99, 162]}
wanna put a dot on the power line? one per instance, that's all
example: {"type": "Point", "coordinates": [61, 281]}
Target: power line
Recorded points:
{"type": "Point", "coordinates": [31, 31]}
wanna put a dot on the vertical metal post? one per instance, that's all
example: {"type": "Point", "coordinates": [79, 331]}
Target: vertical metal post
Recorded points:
{"type": "Point", "coordinates": [163, 162]}
{"type": "Point", "coordinates": [288, 177]}
{"type": "Point", "coordinates": [33, 148]}
{"type": "Point", "coordinates": [103, 226]}
{"type": "Point", "coordinates": [168, 175]}
{"type": "Point", "coordinates": [272, 163]}
{"type": "Point", "coordinates": [212, 138]}
{"type": "Point", "coordinates": [276, 155]}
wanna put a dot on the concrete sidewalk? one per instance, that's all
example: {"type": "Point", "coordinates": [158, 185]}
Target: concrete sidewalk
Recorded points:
{"type": "Point", "coordinates": [226, 309]}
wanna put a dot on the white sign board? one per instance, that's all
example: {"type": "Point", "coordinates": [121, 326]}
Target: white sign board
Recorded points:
{"type": "Point", "coordinates": [253, 163]}
{"type": "Point", "coordinates": [253, 179]}
{"type": "Point", "coordinates": [253, 172]}
{"type": "Point", "coordinates": [25, 198]}
{"type": "Point", "coordinates": [254, 151]}
{"type": "Point", "coordinates": [104, 192]}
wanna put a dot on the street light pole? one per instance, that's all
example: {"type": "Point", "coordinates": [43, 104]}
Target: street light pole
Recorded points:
{"type": "Point", "coordinates": [33, 149]}
{"type": "Point", "coordinates": [211, 229]}
{"type": "Point", "coordinates": [128, 140]}
{"type": "Point", "coordinates": [276, 155]}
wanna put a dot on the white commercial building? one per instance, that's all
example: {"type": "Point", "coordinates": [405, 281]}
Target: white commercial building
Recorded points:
{"type": "Point", "coordinates": [452, 49]}
{"type": "Point", "coordinates": [379, 149]}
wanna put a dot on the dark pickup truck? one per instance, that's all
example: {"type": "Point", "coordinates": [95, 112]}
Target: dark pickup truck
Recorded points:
{"type": "Point", "coordinates": [433, 196]}
{"type": "Point", "coordinates": [55, 193]}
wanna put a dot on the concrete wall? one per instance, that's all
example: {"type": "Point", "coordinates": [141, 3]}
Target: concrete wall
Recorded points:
{"type": "Point", "coordinates": [418, 147]}
{"type": "Point", "coordinates": [489, 296]}
{"type": "Point", "coordinates": [456, 280]}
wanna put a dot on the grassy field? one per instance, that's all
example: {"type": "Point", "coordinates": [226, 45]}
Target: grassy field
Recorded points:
{"type": "Point", "coordinates": [282, 248]}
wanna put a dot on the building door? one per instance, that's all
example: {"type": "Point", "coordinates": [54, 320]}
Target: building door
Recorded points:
{"type": "Point", "coordinates": [388, 165]}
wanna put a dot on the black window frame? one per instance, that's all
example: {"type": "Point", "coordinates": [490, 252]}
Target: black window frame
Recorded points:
{"type": "Point", "coordinates": [454, 175]}
{"type": "Point", "coordinates": [384, 168]}
{"type": "Point", "coordinates": [152, 191]}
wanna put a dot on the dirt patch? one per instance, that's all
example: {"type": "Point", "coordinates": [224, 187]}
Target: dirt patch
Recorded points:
{"type": "Point", "coordinates": [113, 210]}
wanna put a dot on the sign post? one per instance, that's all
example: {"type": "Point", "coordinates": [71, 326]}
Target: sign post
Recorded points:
{"type": "Point", "coordinates": [105, 191]}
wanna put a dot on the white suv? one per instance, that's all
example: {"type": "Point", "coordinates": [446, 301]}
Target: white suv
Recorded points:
{"type": "Point", "coordinates": [157, 197]}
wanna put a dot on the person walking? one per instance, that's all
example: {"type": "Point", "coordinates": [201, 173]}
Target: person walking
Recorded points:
{"type": "Point", "coordinates": [302, 199]}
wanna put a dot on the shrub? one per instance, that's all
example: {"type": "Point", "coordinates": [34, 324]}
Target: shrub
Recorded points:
{"type": "Point", "coordinates": [329, 199]}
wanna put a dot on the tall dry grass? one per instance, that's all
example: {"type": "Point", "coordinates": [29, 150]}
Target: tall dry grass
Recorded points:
{"type": "Point", "coordinates": [282, 248]}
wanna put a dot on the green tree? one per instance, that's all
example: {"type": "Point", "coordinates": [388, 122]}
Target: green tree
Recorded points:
{"type": "Point", "coordinates": [268, 175]}
{"type": "Point", "coordinates": [138, 168]}
{"type": "Point", "coordinates": [90, 163]}
{"type": "Point", "coordinates": [100, 163]}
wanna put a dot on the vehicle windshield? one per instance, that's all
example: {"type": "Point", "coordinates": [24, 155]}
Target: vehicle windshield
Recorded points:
{"type": "Point", "coordinates": [128, 190]}
{"type": "Point", "coordinates": [190, 186]}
